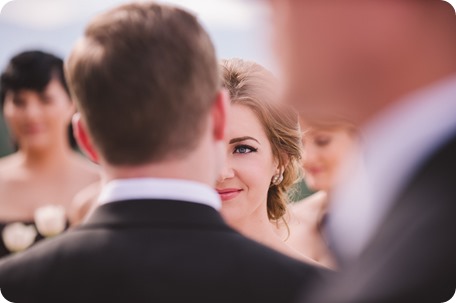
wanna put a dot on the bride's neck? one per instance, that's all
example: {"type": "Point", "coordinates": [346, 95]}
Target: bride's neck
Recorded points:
{"type": "Point", "coordinates": [258, 227]}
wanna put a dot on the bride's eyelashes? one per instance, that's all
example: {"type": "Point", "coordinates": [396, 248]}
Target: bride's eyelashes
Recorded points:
{"type": "Point", "coordinates": [244, 149]}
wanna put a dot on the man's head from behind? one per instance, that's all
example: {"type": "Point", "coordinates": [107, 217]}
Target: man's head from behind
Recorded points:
{"type": "Point", "coordinates": [356, 56]}
{"type": "Point", "coordinates": [145, 79]}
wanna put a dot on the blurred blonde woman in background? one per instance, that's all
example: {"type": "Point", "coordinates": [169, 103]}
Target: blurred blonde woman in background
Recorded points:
{"type": "Point", "coordinates": [263, 156]}
{"type": "Point", "coordinates": [327, 146]}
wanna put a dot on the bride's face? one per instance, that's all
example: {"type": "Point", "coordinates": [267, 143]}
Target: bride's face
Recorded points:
{"type": "Point", "coordinates": [244, 182]}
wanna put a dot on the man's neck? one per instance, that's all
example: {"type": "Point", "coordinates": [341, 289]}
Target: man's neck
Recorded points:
{"type": "Point", "coordinates": [200, 165]}
{"type": "Point", "coordinates": [183, 170]}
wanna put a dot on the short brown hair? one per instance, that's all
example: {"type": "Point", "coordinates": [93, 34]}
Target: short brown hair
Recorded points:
{"type": "Point", "coordinates": [251, 85]}
{"type": "Point", "coordinates": [144, 77]}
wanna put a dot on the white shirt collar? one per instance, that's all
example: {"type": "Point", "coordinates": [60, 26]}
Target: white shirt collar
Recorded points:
{"type": "Point", "coordinates": [159, 189]}
{"type": "Point", "coordinates": [394, 145]}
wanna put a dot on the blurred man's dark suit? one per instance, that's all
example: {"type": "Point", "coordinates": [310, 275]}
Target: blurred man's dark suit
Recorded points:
{"type": "Point", "coordinates": [411, 255]}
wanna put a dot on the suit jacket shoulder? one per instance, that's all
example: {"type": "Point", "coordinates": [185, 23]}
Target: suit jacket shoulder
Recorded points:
{"type": "Point", "coordinates": [153, 251]}
{"type": "Point", "coordinates": [411, 258]}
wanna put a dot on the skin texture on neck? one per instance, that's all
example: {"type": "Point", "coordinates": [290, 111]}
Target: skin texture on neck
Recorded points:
{"type": "Point", "coordinates": [185, 169]}
{"type": "Point", "coordinates": [49, 158]}
{"type": "Point", "coordinates": [259, 228]}
{"type": "Point", "coordinates": [256, 226]}
{"type": "Point", "coordinates": [199, 165]}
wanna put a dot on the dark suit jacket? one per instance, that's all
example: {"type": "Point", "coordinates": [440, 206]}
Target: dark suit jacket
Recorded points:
{"type": "Point", "coordinates": [412, 257]}
{"type": "Point", "coordinates": [152, 251]}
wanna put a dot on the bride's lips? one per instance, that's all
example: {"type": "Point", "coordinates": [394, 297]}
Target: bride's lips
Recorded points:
{"type": "Point", "coordinates": [228, 193]}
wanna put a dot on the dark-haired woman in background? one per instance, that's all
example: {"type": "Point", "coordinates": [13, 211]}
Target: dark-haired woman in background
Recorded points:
{"type": "Point", "coordinates": [44, 170]}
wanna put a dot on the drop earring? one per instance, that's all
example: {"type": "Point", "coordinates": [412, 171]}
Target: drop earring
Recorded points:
{"type": "Point", "coordinates": [277, 179]}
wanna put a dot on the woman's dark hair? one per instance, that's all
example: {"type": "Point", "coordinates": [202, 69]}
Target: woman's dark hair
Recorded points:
{"type": "Point", "coordinates": [33, 70]}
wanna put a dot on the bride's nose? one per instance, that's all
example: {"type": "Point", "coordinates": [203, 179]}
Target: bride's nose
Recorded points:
{"type": "Point", "coordinates": [226, 172]}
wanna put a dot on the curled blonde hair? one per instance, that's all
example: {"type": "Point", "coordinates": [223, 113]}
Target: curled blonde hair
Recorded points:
{"type": "Point", "coordinates": [251, 85]}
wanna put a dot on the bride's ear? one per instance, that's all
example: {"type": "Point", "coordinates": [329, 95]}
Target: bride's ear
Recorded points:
{"type": "Point", "coordinates": [83, 138]}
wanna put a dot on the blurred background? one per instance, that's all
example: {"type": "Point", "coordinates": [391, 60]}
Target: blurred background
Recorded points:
{"type": "Point", "coordinates": [238, 29]}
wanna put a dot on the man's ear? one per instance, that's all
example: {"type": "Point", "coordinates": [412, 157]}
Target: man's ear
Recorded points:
{"type": "Point", "coordinates": [83, 139]}
{"type": "Point", "coordinates": [220, 114]}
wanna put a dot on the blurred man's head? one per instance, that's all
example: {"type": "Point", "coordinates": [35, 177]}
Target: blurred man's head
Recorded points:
{"type": "Point", "coordinates": [145, 79]}
{"type": "Point", "coordinates": [356, 56]}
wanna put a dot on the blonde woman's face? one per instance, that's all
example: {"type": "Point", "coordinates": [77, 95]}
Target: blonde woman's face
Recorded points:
{"type": "Point", "coordinates": [244, 182]}
{"type": "Point", "coordinates": [323, 155]}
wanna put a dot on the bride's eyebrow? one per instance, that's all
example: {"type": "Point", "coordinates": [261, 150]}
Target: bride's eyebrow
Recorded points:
{"type": "Point", "coordinates": [245, 138]}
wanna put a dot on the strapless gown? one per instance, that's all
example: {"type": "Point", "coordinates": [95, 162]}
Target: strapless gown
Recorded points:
{"type": "Point", "coordinates": [3, 250]}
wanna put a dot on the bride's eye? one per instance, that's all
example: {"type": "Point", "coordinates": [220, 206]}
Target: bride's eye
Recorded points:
{"type": "Point", "coordinates": [244, 149]}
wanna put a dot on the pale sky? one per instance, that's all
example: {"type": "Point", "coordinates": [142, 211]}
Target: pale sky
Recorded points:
{"type": "Point", "coordinates": [48, 14]}
{"type": "Point", "coordinates": [238, 27]}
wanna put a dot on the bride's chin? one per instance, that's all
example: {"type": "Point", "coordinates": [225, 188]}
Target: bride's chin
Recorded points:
{"type": "Point", "coordinates": [229, 215]}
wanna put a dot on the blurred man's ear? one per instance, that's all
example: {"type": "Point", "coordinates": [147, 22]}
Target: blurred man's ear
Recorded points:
{"type": "Point", "coordinates": [83, 139]}
{"type": "Point", "coordinates": [219, 114]}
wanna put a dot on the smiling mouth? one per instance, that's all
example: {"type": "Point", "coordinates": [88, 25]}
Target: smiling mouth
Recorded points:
{"type": "Point", "coordinates": [228, 194]}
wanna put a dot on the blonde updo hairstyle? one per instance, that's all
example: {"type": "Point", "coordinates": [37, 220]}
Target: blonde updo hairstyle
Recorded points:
{"type": "Point", "coordinates": [250, 84]}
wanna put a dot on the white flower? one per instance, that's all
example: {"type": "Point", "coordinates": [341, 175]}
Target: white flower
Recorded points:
{"type": "Point", "coordinates": [18, 237]}
{"type": "Point", "coordinates": [50, 220]}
